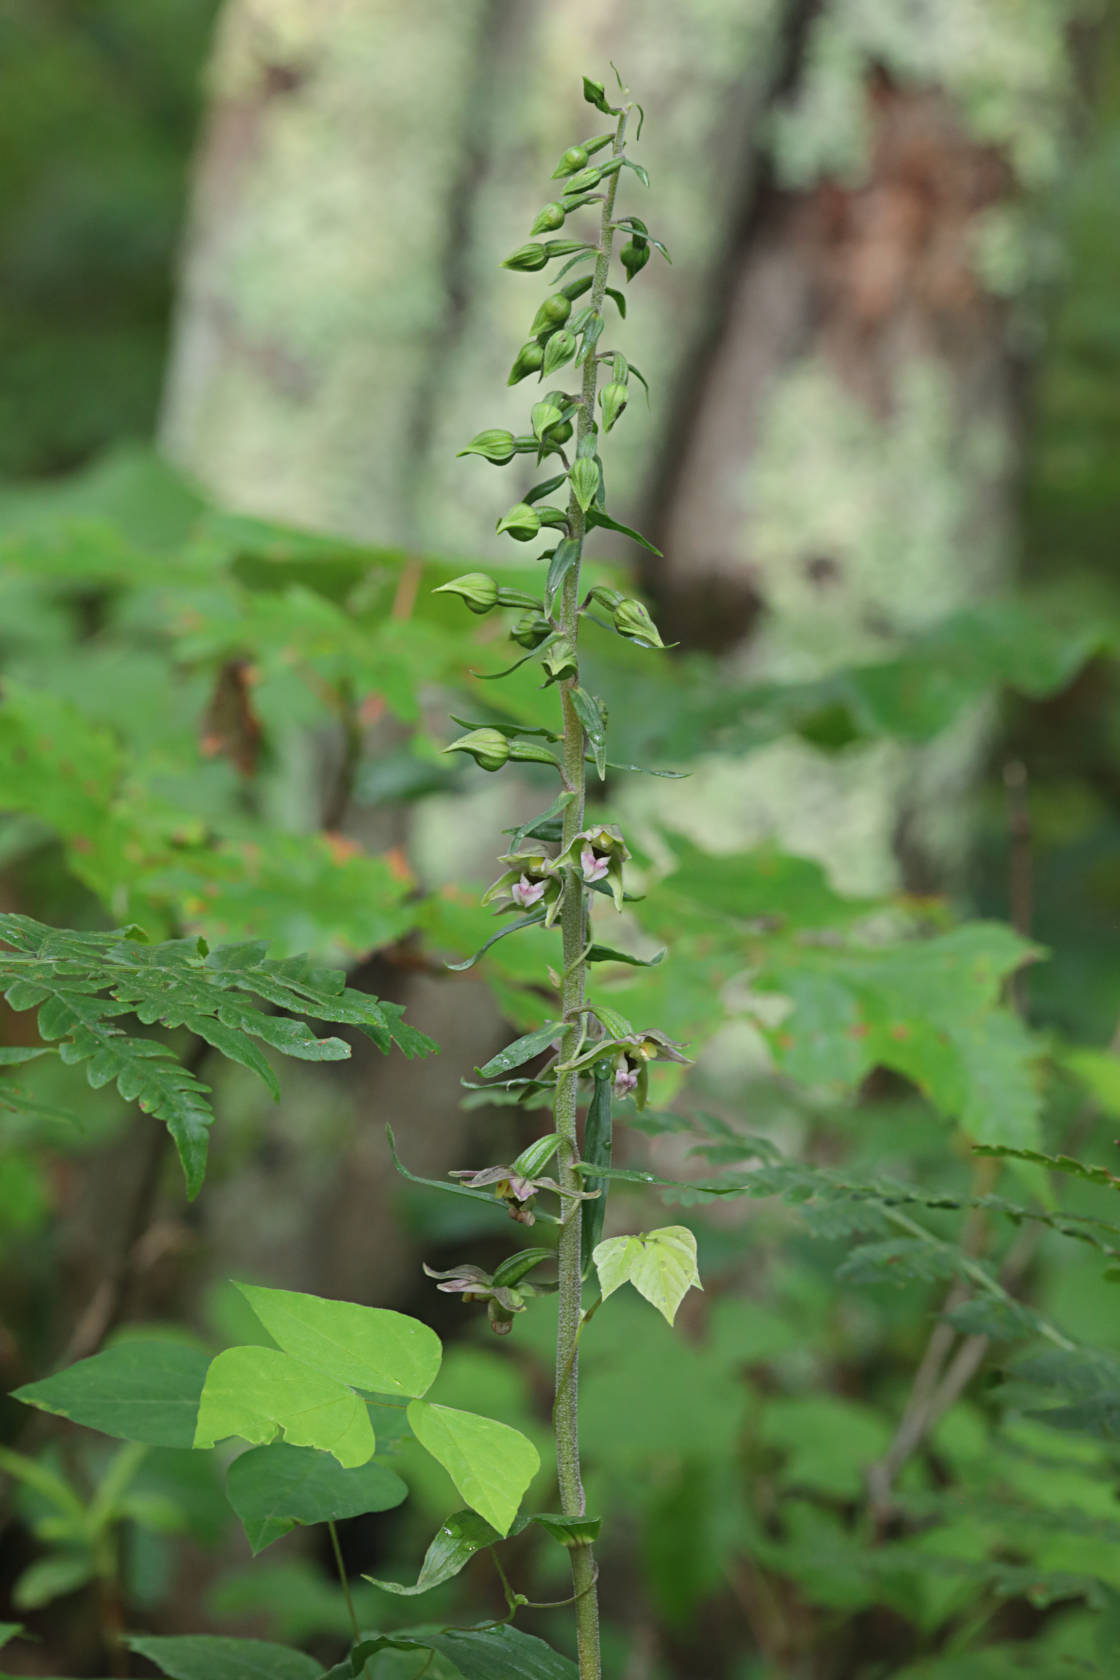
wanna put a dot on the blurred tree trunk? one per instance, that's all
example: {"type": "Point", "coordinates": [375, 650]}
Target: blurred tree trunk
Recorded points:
{"type": "Point", "coordinates": [836, 354]}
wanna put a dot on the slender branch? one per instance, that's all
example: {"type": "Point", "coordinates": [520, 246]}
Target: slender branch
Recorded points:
{"type": "Point", "coordinates": [573, 922]}
{"type": "Point", "coordinates": [332, 1529]}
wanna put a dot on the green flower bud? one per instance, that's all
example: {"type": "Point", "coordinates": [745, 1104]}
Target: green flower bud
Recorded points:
{"type": "Point", "coordinates": [527, 258]}
{"type": "Point", "coordinates": [549, 218]}
{"type": "Point", "coordinates": [522, 522]}
{"type": "Point", "coordinates": [488, 747]}
{"type": "Point", "coordinates": [476, 591]}
{"type": "Point", "coordinates": [584, 181]}
{"type": "Point", "coordinates": [560, 660]}
{"type": "Point", "coordinates": [584, 478]}
{"type": "Point", "coordinates": [531, 630]}
{"type": "Point", "coordinates": [551, 313]}
{"type": "Point", "coordinates": [574, 158]}
{"type": "Point", "coordinates": [543, 415]}
{"type": "Point", "coordinates": [558, 434]}
{"type": "Point", "coordinates": [496, 445]}
{"type": "Point", "coordinates": [634, 256]}
{"type": "Point", "coordinates": [613, 398]}
{"type": "Point", "coordinates": [528, 360]}
{"type": "Point", "coordinates": [632, 620]}
{"type": "Point", "coordinates": [560, 348]}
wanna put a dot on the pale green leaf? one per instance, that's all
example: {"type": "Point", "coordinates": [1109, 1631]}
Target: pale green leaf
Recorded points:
{"type": "Point", "coordinates": [367, 1347]}
{"type": "Point", "coordinates": [660, 1264]}
{"type": "Point", "coordinates": [261, 1393]}
{"type": "Point", "coordinates": [490, 1463]}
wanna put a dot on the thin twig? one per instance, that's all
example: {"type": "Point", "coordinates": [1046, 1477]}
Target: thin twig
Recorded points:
{"type": "Point", "coordinates": [332, 1529]}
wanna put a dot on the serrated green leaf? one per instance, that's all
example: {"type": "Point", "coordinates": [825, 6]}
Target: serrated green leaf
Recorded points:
{"type": "Point", "coordinates": [366, 1347]}
{"type": "Point", "coordinates": [259, 1394]}
{"type": "Point", "coordinates": [209, 1657]}
{"type": "Point", "coordinates": [490, 1463]}
{"type": "Point", "coordinates": [61, 973]}
{"type": "Point", "coordinates": [660, 1264]}
{"type": "Point", "coordinates": [276, 1487]}
{"type": "Point", "coordinates": [1053, 1163]}
{"type": "Point", "coordinates": [137, 1390]}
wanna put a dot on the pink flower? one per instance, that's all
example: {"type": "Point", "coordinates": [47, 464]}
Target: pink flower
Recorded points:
{"type": "Point", "coordinates": [625, 1079]}
{"type": "Point", "coordinates": [594, 867]}
{"type": "Point", "coordinates": [526, 893]}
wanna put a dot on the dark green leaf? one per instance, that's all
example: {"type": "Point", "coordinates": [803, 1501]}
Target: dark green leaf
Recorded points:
{"type": "Point", "coordinates": [484, 1653]}
{"type": "Point", "coordinates": [138, 1390]}
{"type": "Point", "coordinates": [607, 953]}
{"type": "Point", "coordinates": [275, 1487]}
{"type": "Point", "coordinates": [522, 1050]}
{"type": "Point", "coordinates": [206, 1657]}
{"type": "Point", "coordinates": [593, 717]}
{"type": "Point", "coordinates": [597, 1138]}
{"type": "Point", "coordinates": [596, 517]}
{"type": "Point", "coordinates": [459, 1538]}
{"type": "Point", "coordinates": [566, 556]}
{"type": "Point", "coordinates": [533, 920]}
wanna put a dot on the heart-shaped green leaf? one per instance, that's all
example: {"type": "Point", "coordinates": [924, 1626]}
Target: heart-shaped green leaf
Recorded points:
{"type": "Point", "coordinates": [660, 1264]}
{"type": "Point", "coordinates": [260, 1393]}
{"type": "Point", "coordinates": [367, 1347]}
{"type": "Point", "coordinates": [490, 1463]}
{"type": "Point", "coordinates": [275, 1487]}
{"type": "Point", "coordinates": [144, 1390]}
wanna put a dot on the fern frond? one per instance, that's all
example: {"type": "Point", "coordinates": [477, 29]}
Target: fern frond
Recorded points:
{"type": "Point", "coordinates": [81, 983]}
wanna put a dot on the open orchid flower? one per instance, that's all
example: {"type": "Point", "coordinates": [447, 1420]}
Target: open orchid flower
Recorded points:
{"type": "Point", "coordinates": [530, 879]}
{"type": "Point", "coordinates": [597, 854]}
{"type": "Point", "coordinates": [471, 1283]}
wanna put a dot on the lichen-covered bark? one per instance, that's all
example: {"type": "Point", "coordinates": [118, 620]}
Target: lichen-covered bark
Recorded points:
{"type": "Point", "coordinates": [845, 186]}
{"type": "Point", "coordinates": [843, 183]}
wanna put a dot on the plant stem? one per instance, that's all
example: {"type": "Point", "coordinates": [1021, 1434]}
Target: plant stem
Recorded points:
{"type": "Point", "coordinates": [337, 1549]}
{"type": "Point", "coordinates": [573, 923]}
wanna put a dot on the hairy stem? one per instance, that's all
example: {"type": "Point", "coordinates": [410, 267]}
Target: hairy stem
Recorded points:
{"type": "Point", "coordinates": [573, 922]}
